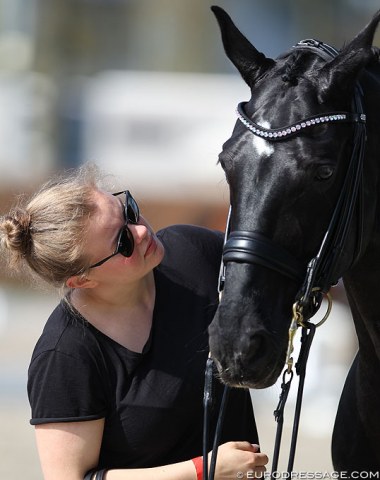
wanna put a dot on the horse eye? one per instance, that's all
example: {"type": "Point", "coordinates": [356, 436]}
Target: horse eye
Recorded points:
{"type": "Point", "coordinates": [324, 172]}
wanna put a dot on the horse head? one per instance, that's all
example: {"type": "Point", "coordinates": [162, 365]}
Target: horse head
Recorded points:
{"type": "Point", "coordinates": [285, 175]}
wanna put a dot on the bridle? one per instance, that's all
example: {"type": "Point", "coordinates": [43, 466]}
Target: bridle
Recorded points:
{"type": "Point", "coordinates": [322, 271]}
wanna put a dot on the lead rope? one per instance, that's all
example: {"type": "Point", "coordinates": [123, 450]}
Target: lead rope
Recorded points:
{"type": "Point", "coordinates": [209, 474]}
{"type": "Point", "coordinates": [207, 394]}
{"type": "Point", "coordinates": [308, 332]}
{"type": "Point", "coordinates": [306, 340]}
{"type": "Point", "coordinates": [207, 402]}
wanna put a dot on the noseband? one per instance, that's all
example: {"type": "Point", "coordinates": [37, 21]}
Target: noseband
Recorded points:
{"type": "Point", "coordinates": [322, 270]}
{"type": "Point", "coordinates": [252, 247]}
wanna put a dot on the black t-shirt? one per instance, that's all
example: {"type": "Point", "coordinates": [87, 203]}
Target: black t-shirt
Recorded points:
{"type": "Point", "coordinates": [152, 402]}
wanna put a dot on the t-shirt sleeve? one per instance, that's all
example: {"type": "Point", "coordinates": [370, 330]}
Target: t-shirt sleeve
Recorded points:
{"type": "Point", "coordinates": [65, 388]}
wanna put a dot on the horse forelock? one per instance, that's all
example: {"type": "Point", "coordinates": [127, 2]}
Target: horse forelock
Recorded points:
{"type": "Point", "coordinates": [294, 68]}
{"type": "Point", "coordinates": [289, 93]}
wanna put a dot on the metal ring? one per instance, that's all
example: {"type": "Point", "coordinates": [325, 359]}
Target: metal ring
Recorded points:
{"type": "Point", "coordinates": [328, 311]}
{"type": "Point", "coordinates": [287, 372]}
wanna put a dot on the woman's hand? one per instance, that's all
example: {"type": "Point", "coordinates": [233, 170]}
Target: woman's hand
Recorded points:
{"type": "Point", "coordinates": [238, 460]}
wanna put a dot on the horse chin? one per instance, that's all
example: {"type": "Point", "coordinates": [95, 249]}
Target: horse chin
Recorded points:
{"type": "Point", "coordinates": [248, 377]}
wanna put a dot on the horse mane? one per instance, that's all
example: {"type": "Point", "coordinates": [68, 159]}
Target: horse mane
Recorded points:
{"type": "Point", "coordinates": [294, 67]}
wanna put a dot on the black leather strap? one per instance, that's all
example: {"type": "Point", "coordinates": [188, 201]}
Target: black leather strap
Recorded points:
{"type": "Point", "coordinates": [254, 248]}
{"type": "Point", "coordinates": [324, 270]}
{"type": "Point", "coordinates": [99, 474]}
{"type": "Point", "coordinates": [90, 474]}
{"type": "Point", "coordinates": [327, 52]}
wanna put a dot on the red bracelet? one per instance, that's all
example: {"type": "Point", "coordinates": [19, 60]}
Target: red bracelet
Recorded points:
{"type": "Point", "coordinates": [198, 464]}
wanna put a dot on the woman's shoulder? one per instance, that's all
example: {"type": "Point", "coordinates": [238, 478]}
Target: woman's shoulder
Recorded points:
{"type": "Point", "coordinates": [67, 376]}
{"type": "Point", "coordinates": [64, 332]}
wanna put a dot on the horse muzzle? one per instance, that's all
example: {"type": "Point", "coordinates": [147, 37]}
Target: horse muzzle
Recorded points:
{"type": "Point", "coordinates": [244, 358]}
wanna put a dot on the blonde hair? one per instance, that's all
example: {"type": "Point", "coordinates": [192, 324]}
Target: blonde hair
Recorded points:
{"type": "Point", "coordinates": [47, 233]}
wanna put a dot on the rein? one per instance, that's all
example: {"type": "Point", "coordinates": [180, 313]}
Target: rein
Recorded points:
{"type": "Point", "coordinates": [318, 276]}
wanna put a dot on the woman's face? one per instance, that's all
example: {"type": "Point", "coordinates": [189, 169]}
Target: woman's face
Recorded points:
{"type": "Point", "coordinates": [102, 236]}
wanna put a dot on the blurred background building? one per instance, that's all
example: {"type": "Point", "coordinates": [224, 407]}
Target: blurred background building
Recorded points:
{"type": "Point", "coordinates": [143, 89]}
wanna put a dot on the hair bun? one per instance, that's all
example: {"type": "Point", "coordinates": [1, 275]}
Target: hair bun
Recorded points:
{"type": "Point", "coordinates": [15, 231]}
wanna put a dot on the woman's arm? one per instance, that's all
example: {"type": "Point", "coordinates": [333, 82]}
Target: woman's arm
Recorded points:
{"type": "Point", "coordinates": [176, 471]}
{"type": "Point", "coordinates": [69, 450]}
{"type": "Point", "coordinates": [235, 460]}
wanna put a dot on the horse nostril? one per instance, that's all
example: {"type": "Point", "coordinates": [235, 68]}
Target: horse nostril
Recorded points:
{"type": "Point", "coordinates": [256, 348]}
{"type": "Point", "coordinates": [251, 351]}
{"type": "Point", "coordinates": [250, 361]}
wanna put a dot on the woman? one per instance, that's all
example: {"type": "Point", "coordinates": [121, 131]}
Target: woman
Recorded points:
{"type": "Point", "coordinates": [116, 378]}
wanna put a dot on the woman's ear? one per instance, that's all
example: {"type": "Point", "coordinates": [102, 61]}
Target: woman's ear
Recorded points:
{"type": "Point", "coordinates": [80, 281]}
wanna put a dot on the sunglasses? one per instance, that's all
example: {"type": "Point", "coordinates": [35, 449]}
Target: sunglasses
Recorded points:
{"type": "Point", "coordinates": [125, 243]}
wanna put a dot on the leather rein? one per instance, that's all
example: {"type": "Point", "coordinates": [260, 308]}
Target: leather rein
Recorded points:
{"type": "Point", "coordinates": [318, 276]}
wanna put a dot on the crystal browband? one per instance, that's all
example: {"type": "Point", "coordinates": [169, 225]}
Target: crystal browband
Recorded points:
{"type": "Point", "coordinates": [290, 130]}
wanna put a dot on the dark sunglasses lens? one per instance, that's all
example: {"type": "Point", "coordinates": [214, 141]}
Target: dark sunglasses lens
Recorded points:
{"type": "Point", "coordinates": [126, 243]}
{"type": "Point", "coordinates": [133, 212]}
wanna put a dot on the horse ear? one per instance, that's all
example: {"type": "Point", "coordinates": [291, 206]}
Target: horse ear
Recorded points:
{"type": "Point", "coordinates": [250, 62]}
{"type": "Point", "coordinates": [338, 77]}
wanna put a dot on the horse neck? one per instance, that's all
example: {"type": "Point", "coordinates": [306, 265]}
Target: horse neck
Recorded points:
{"type": "Point", "coordinates": [361, 395]}
{"type": "Point", "coordinates": [361, 283]}
{"type": "Point", "coordinates": [362, 280]}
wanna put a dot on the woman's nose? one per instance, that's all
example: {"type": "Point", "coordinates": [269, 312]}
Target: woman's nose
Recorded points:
{"type": "Point", "coordinates": [139, 231]}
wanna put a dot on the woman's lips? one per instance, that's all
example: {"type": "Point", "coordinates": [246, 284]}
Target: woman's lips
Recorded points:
{"type": "Point", "coordinates": [152, 245]}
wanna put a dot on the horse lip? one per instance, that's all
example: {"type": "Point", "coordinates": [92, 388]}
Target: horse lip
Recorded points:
{"type": "Point", "coordinates": [236, 375]}
{"type": "Point", "coordinates": [244, 381]}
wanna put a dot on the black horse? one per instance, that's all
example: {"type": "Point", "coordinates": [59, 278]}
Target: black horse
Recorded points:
{"type": "Point", "coordinates": [286, 163]}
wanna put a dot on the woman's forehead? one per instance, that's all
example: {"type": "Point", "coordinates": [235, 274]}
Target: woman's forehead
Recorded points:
{"type": "Point", "coordinates": [109, 209]}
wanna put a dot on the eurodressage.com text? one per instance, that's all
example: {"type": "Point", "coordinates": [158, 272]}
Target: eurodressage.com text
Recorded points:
{"type": "Point", "coordinates": [303, 475]}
